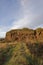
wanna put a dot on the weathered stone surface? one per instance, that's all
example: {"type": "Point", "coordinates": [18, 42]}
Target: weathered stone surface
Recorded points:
{"type": "Point", "coordinates": [27, 35]}
{"type": "Point", "coordinates": [39, 34]}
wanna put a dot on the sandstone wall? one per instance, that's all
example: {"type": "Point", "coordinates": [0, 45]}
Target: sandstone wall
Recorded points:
{"type": "Point", "coordinates": [27, 35]}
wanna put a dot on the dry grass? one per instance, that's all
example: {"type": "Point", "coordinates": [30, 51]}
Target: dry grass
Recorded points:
{"type": "Point", "coordinates": [18, 53]}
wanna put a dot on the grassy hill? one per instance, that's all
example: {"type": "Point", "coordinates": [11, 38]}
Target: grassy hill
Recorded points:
{"type": "Point", "coordinates": [22, 47]}
{"type": "Point", "coordinates": [19, 53]}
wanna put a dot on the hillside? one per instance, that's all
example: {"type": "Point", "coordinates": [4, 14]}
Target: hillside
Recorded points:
{"type": "Point", "coordinates": [19, 53]}
{"type": "Point", "coordinates": [22, 47]}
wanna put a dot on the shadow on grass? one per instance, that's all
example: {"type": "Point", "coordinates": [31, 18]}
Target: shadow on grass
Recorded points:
{"type": "Point", "coordinates": [5, 55]}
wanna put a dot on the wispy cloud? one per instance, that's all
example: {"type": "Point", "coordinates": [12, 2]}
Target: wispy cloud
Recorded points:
{"type": "Point", "coordinates": [31, 15]}
{"type": "Point", "coordinates": [16, 14]}
{"type": "Point", "coordinates": [25, 21]}
{"type": "Point", "coordinates": [20, 23]}
{"type": "Point", "coordinates": [2, 32]}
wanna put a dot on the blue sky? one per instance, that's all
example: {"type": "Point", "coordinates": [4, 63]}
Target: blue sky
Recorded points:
{"type": "Point", "coordinates": [16, 14]}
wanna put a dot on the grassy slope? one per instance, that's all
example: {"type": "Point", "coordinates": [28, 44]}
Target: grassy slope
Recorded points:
{"type": "Point", "coordinates": [18, 54]}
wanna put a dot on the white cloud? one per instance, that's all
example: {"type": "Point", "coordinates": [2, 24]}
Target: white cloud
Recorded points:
{"type": "Point", "coordinates": [20, 23]}
{"type": "Point", "coordinates": [39, 26]}
{"type": "Point", "coordinates": [23, 22]}
{"type": "Point", "coordinates": [30, 19]}
{"type": "Point", "coordinates": [24, 2]}
{"type": "Point", "coordinates": [2, 32]}
{"type": "Point", "coordinates": [27, 16]}
{"type": "Point", "coordinates": [25, 7]}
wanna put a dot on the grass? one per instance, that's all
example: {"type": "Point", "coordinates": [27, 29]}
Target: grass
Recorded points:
{"type": "Point", "coordinates": [19, 54]}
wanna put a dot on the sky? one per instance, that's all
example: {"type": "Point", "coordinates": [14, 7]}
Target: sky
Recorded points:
{"type": "Point", "coordinates": [16, 14]}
